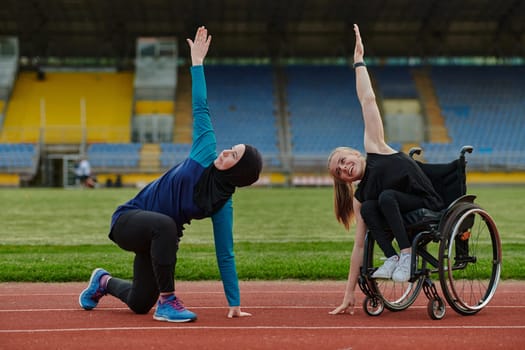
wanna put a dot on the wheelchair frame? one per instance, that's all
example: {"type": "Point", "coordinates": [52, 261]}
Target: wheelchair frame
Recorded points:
{"type": "Point", "coordinates": [469, 270]}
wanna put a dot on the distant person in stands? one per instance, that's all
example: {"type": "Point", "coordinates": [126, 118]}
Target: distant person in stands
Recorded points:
{"type": "Point", "coordinates": [83, 172]}
{"type": "Point", "coordinates": [388, 183]}
{"type": "Point", "coordinates": [151, 223]}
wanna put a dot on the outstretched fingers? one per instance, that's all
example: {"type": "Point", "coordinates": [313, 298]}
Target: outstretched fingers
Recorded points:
{"type": "Point", "coordinates": [199, 46]}
{"type": "Point", "coordinates": [202, 37]}
{"type": "Point", "coordinates": [235, 311]}
{"type": "Point", "coordinates": [343, 309]}
{"type": "Point", "coordinates": [356, 30]}
{"type": "Point", "coordinates": [359, 49]}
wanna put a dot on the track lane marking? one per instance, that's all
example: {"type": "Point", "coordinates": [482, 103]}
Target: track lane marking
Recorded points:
{"type": "Point", "coordinates": [185, 328]}
{"type": "Point", "coordinates": [100, 309]}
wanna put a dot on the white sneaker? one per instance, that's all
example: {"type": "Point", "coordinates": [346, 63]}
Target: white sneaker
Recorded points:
{"type": "Point", "coordinates": [402, 271]}
{"type": "Point", "coordinates": [388, 267]}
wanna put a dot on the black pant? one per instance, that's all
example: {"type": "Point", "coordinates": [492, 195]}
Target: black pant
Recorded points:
{"type": "Point", "coordinates": [386, 212]}
{"type": "Point", "coordinates": [154, 239]}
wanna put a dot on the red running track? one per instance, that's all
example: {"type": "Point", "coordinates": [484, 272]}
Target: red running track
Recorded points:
{"type": "Point", "coordinates": [286, 315]}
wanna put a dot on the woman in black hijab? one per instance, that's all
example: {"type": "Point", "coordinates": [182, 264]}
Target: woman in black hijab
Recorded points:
{"type": "Point", "coordinates": [151, 223]}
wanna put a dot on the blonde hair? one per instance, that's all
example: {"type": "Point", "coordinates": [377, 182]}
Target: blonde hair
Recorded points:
{"type": "Point", "coordinates": [343, 194]}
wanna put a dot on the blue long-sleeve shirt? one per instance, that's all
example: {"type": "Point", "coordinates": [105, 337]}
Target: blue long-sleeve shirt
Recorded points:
{"type": "Point", "coordinates": [172, 193]}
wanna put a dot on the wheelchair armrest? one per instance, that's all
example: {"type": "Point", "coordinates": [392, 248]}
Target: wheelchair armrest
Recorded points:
{"type": "Point", "coordinates": [422, 216]}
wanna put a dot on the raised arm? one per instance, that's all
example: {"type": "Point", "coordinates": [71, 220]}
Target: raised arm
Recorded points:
{"type": "Point", "coordinates": [204, 142]}
{"type": "Point", "coordinates": [374, 138]}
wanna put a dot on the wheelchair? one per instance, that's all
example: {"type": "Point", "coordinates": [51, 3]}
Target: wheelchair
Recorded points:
{"type": "Point", "coordinates": [467, 259]}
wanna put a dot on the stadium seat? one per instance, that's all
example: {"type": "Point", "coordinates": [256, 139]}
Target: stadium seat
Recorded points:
{"type": "Point", "coordinates": [173, 153]}
{"type": "Point", "coordinates": [483, 106]}
{"type": "Point", "coordinates": [241, 100]}
{"type": "Point", "coordinates": [18, 157]}
{"type": "Point", "coordinates": [114, 155]}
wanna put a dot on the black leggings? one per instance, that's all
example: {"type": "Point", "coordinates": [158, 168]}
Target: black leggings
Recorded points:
{"type": "Point", "coordinates": [386, 212]}
{"type": "Point", "coordinates": [154, 239]}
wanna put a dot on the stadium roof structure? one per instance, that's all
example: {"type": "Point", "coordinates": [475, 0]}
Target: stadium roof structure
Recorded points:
{"type": "Point", "coordinates": [269, 28]}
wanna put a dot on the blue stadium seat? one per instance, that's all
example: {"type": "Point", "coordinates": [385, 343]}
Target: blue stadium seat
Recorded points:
{"type": "Point", "coordinates": [394, 81]}
{"type": "Point", "coordinates": [173, 153]}
{"type": "Point", "coordinates": [18, 157]}
{"type": "Point", "coordinates": [483, 106]}
{"type": "Point", "coordinates": [324, 109]}
{"type": "Point", "coordinates": [114, 155]}
{"type": "Point", "coordinates": [241, 101]}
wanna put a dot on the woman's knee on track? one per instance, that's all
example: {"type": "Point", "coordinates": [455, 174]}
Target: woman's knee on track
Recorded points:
{"type": "Point", "coordinates": [140, 309]}
{"type": "Point", "coordinates": [142, 305]}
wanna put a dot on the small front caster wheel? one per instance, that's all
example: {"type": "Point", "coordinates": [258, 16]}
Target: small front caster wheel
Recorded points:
{"type": "Point", "coordinates": [436, 308]}
{"type": "Point", "coordinates": [373, 306]}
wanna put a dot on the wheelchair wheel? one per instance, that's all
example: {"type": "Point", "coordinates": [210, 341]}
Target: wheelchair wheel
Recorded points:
{"type": "Point", "coordinates": [396, 296]}
{"type": "Point", "coordinates": [436, 308]}
{"type": "Point", "coordinates": [373, 306]}
{"type": "Point", "coordinates": [469, 259]}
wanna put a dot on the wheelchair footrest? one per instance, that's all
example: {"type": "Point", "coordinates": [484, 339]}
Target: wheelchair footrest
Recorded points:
{"type": "Point", "coordinates": [365, 288]}
{"type": "Point", "coordinates": [430, 289]}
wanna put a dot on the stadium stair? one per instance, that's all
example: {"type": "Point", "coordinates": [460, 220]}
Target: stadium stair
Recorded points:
{"type": "Point", "coordinates": [149, 157]}
{"type": "Point", "coordinates": [436, 122]}
{"type": "Point", "coordinates": [183, 119]}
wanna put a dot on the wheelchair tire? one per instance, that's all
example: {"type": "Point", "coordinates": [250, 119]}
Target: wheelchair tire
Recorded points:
{"type": "Point", "coordinates": [436, 308]}
{"type": "Point", "coordinates": [373, 306]}
{"type": "Point", "coordinates": [396, 296]}
{"type": "Point", "coordinates": [469, 258]}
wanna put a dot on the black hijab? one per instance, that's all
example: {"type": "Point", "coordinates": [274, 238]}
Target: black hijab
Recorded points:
{"type": "Point", "coordinates": [216, 186]}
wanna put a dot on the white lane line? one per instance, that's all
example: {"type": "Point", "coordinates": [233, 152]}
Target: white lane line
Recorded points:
{"type": "Point", "coordinates": [269, 307]}
{"type": "Point", "coordinates": [182, 292]}
{"type": "Point", "coordinates": [190, 307]}
{"type": "Point", "coordinates": [243, 292]}
{"type": "Point", "coordinates": [185, 328]}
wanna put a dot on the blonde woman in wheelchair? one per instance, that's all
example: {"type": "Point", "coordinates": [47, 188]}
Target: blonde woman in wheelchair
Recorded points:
{"type": "Point", "coordinates": [388, 183]}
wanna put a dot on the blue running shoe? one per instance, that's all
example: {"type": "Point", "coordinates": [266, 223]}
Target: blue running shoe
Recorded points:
{"type": "Point", "coordinates": [90, 296]}
{"type": "Point", "coordinates": [172, 310]}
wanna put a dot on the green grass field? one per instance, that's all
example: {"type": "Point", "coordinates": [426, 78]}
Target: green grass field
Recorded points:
{"type": "Point", "coordinates": [280, 233]}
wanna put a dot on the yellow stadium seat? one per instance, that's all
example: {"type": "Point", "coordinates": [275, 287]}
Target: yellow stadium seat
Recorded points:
{"type": "Point", "coordinates": [64, 102]}
{"type": "Point", "coordinates": [154, 107]}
